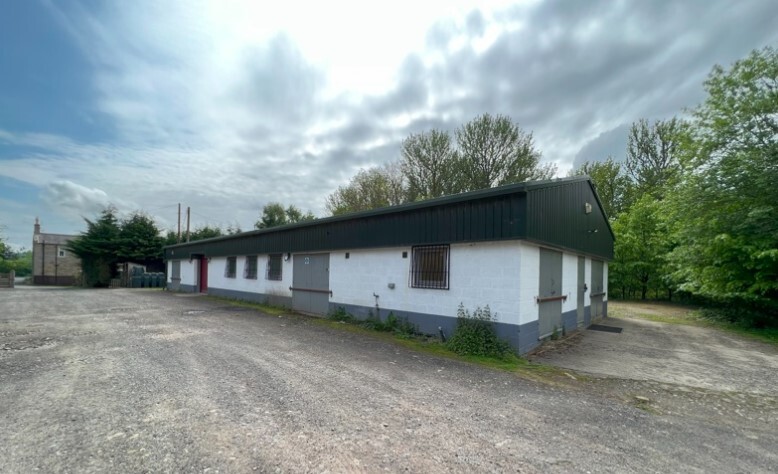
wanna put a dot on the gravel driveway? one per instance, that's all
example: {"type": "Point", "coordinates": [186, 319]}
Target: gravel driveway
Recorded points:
{"type": "Point", "coordinates": [140, 380]}
{"type": "Point", "coordinates": [672, 353]}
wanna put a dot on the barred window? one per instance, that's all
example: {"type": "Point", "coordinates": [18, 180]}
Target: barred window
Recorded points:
{"type": "Point", "coordinates": [274, 267]}
{"type": "Point", "coordinates": [429, 267]}
{"type": "Point", "coordinates": [230, 267]}
{"type": "Point", "coordinates": [250, 269]}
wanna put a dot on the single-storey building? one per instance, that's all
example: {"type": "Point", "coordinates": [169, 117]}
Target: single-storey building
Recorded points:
{"type": "Point", "coordinates": [535, 252]}
{"type": "Point", "coordinates": [52, 262]}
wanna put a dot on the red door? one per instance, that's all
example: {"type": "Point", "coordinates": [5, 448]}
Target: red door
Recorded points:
{"type": "Point", "coordinates": [203, 274]}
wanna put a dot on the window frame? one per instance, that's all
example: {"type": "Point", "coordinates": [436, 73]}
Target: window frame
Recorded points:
{"type": "Point", "coordinates": [422, 255]}
{"type": "Point", "coordinates": [231, 267]}
{"type": "Point", "coordinates": [248, 267]}
{"type": "Point", "coordinates": [270, 274]}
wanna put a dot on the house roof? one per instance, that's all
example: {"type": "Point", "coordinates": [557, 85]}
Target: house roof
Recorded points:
{"type": "Point", "coordinates": [54, 239]}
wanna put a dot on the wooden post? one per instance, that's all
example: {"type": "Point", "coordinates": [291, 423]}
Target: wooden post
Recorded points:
{"type": "Point", "coordinates": [178, 240]}
{"type": "Point", "coordinates": [187, 223]}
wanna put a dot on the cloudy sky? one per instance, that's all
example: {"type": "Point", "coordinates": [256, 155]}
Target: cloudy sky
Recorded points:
{"type": "Point", "coordinates": [224, 106]}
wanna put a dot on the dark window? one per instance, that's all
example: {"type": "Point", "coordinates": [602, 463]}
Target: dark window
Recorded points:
{"type": "Point", "coordinates": [176, 269]}
{"type": "Point", "coordinates": [274, 267]}
{"type": "Point", "coordinates": [429, 268]}
{"type": "Point", "coordinates": [229, 269]}
{"type": "Point", "coordinates": [250, 270]}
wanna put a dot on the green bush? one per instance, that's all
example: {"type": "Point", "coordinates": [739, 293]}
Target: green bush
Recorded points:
{"type": "Point", "coordinates": [340, 314]}
{"type": "Point", "coordinates": [399, 326]}
{"type": "Point", "coordinates": [475, 335]}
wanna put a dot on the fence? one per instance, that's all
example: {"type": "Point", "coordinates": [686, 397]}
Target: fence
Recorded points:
{"type": "Point", "coordinates": [7, 279]}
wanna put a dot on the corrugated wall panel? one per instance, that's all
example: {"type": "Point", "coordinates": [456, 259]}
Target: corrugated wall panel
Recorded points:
{"type": "Point", "coordinates": [556, 215]}
{"type": "Point", "coordinates": [551, 213]}
{"type": "Point", "coordinates": [492, 218]}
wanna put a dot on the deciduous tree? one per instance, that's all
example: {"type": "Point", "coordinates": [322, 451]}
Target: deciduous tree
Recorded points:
{"type": "Point", "coordinates": [492, 151]}
{"type": "Point", "coordinates": [274, 214]}
{"type": "Point", "coordinates": [727, 204]}
{"type": "Point", "coordinates": [369, 189]}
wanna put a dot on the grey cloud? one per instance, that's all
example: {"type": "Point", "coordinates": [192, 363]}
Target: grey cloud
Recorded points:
{"type": "Point", "coordinates": [476, 24]}
{"type": "Point", "coordinates": [281, 86]}
{"type": "Point", "coordinates": [74, 198]}
{"type": "Point", "coordinates": [611, 143]}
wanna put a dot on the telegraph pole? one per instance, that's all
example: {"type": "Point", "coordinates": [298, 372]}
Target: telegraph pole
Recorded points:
{"type": "Point", "coordinates": [178, 241]}
{"type": "Point", "coordinates": [187, 223]}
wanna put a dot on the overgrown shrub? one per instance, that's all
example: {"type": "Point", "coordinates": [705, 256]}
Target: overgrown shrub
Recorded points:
{"type": "Point", "coordinates": [475, 335]}
{"type": "Point", "coordinates": [340, 314]}
{"type": "Point", "coordinates": [399, 326]}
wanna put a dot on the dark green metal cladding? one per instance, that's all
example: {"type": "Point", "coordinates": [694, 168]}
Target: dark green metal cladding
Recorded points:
{"type": "Point", "coordinates": [492, 214]}
{"type": "Point", "coordinates": [556, 215]}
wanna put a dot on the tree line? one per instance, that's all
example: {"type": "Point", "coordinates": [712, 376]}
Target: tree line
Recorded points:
{"type": "Point", "coordinates": [694, 206]}
{"type": "Point", "coordinates": [20, 262]}
{"type": "Point", "coordinates": [488, 151]}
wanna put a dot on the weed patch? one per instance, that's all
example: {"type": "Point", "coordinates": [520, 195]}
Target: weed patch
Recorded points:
{"type": "Point", "coordinates": [475, 335]}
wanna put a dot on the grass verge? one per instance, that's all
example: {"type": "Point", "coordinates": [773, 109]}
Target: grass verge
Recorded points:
{"type": "Point", "coordinates": [435, 347]}
{"type": "Point", "coordinates": [429, 345]}
{"type": "Point", "coordinates": [265, 308]}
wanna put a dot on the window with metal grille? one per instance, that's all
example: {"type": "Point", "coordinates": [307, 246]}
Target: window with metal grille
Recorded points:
{"type": "Point", "coordinates": [250, 269]}
{"type": "Point", "coordinates": [429, 267]}
{"type": "Point", "coordinates": [274, 267]}
{"type": "Point", "coordinates": [230, 268]}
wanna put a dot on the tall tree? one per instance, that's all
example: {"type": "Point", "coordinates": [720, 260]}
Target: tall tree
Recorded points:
{"type": "Point", "coordinates": [727, 205]}
{"type": "Point", "coordinates": [274, 214]}
{"type": "Point", "coordinates": [612, 185]}
{"type": "Point", "coordinates": [642, 243]}
{"type": "Point", "coordinates": [494, 151]}
{"type": "Point", "coordinates": [139, 240]}
{"type": "Point", "coordinates": [98, 248]}
{"type": "Point", "coordinates": [652, 155]}
{"type": "Point", "coordinates": [369, 189]}
{"type": "Point", "coordinates": [428, 164]}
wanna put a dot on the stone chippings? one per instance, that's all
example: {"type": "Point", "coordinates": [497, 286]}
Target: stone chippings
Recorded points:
{"type": "Point", "coordinates": [187, 384]}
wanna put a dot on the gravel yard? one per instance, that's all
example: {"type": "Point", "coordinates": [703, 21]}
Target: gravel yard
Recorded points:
{"type": "Point", "coordinates": [140, 380]}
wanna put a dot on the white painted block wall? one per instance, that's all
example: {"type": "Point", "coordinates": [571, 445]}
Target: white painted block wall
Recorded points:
{"type": "Point", "coordinates": [188, 272]}
{"type": "Point", "coordinates": [529, 283]}
{"type": "Point", "coordinates": [217, 278]}
{"type": "Point", "coordinates": [503, 275]}
{"type": "Point", "coordinates": [480, 274]}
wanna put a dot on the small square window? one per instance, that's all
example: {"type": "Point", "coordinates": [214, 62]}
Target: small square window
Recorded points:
{"type": "Point", "coordinates": [61, 253]}
{"type": "Point", "coordinates": [274, 267]}
{"type": "Point", "coordinates": [230, 267]}
{"type": "Point", "coordinates": [347, 255]}
{"type": "Point", "coordinates": [430, 267]}
{"type": "Point", "coordinates": [250, 269]}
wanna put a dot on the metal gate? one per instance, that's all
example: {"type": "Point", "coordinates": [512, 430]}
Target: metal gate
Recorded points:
{"type": "Point", "coordinates": [598, 289]}
{"type": "Point", "coordinates": [311, 283]}
{"type": "Point", "coordinates": [581, 289]}
{"type": "Point", "coordinates": [550, 298]}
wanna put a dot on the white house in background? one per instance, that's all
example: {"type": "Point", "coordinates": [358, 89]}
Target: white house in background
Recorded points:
{"type": "Point", "coordinates": [535, 252]}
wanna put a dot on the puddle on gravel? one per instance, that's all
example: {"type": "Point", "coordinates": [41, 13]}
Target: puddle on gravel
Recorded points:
{"type": "Point", "coordinates": [189, 312]}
